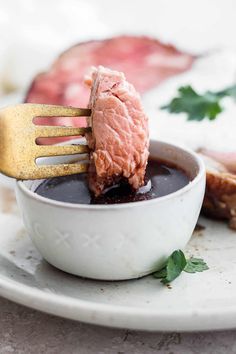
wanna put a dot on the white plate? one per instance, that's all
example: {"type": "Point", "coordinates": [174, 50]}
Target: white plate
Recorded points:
{"type": "Point", "coordinates": [202, 301]}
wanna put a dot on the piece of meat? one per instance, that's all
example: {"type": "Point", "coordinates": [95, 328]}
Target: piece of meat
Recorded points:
{"type": "Point", "coordinates": [228, 159]}
{"type": "Point", "coordinates": [146, 62]}
{"type": "Point", "coordinates": [119, 139]}
{"type": "Point", "coordinates": [220, 196]}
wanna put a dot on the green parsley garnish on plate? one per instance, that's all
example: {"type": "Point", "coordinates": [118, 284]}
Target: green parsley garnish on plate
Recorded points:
{"type": "Point", "coordinates": [177, 263]}
{"type": "Point", "coordinates": [198, 107]}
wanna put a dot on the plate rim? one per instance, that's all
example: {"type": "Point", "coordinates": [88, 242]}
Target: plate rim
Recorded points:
{"type": "Point", "coordinates": [116, 315]}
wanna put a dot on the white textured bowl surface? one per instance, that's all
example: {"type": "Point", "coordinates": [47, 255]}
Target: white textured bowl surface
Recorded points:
{"type": "Point", "coordinates": [120, 241]}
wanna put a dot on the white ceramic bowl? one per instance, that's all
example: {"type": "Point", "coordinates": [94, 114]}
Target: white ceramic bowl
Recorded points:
{"type": "Point", "coordinates": [119, 241]}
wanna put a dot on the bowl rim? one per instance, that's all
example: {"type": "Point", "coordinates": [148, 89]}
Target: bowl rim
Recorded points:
{"type": "Point", "coordinates": [201, 174]}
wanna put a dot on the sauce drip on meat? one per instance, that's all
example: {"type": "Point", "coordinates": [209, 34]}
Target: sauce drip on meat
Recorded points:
{"type": "Point", "coordinates": [161, 178]}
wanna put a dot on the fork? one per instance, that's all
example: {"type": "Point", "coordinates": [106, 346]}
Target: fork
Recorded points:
{"type": "Point", "coordinates": [18, 147]}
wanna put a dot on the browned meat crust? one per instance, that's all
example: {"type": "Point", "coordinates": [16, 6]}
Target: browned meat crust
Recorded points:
{"type": "Point", "coordinates": [220, 196]}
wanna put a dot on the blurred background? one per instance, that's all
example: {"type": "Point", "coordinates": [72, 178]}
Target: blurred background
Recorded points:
{"type": "Point", "coordinates": [33, 33]}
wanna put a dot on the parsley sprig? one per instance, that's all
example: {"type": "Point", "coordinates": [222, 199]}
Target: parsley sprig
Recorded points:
{"type": "Point", "coordinates": [177, 263]}
{"type": "Point", "coordinates": [199, 107]}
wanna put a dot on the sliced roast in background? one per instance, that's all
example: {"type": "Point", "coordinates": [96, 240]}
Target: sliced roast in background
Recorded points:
{"type": "Point", "coordinates": [227, 159]}
{"type": "Point", "coordinates": [145, 61]}
{"type": "Point", "coordinates": [220, 196]}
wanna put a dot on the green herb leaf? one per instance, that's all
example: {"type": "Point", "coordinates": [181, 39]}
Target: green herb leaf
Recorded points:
{"type": "Point", "coordinates": [160, 273]}
{"type": "Point", "coordinates": [229, 91]}
{"type": "Point", "coordinates": [177, 263]}
{"type": "Point", "coordinates": [195, 265]}
{"type": "Point", "coordinates": [198, 106]}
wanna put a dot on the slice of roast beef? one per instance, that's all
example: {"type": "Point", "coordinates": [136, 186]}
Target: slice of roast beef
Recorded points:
{"type": "Point", "coordinates": [227, 159]}
{"type": "Point", "coordinates": [220, 196]}
{"type": "Point", "coordinates": [119, 138]}
{"type": "Point", "coordinates": [146, 62]}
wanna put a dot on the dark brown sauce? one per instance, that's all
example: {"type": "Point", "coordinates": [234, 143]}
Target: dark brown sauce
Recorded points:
{"type": "Point", "coordinates": [161, 179]}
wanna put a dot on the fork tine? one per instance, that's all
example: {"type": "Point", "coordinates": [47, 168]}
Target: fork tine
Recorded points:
{"type": "Point", "coordinates": [19, 149]}
{"type": "Point", "coordinates": [50, 131]}
{"type": "Point", "coordinates": [50, 171]}
{"type": "Point", "coordinates": [55, 150]}
{"type": "Point", "coordinates": [54, 111]}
